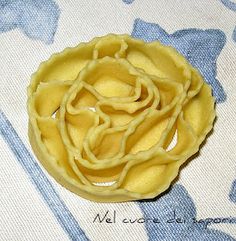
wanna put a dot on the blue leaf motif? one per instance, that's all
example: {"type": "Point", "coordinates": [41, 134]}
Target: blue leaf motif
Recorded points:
{"type": "Point", "coordinates": [232, 6]}
{"type": "Point", "coordinates": [229, 4]}
{"type": "Point", "coordinates": [37, 19]}
{"type": "Point", "coordinates": [234, 34]}
{"type": "Point", "coordinates": [176, 213]}
{"type": "Point", "coordinates": [232, 194]}
{"type": "Point", "coordinates": [128, 1]}
{"type": "Point", "coordinates": [200, 47]}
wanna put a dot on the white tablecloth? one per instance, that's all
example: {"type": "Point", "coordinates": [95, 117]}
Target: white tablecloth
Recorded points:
{"type": "Point", "coordinates": [201, 205]}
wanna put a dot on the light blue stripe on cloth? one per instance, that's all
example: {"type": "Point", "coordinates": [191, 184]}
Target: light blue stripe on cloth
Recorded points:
{"type": "Point", "coordinates": [229, 4]}
{"type": "Point", "coordinates": [40, 181]}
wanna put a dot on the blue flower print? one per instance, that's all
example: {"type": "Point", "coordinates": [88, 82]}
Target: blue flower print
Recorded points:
{"type": "Point", "coordinates": [232, 6]}
{"type": "Point", "coordinates": [229, 4]}
{"type": "Point", "coordinates": [175, 219]}
{"type": "Point", "coordinates": [128, 1]}
{"type": "Point", "coordinates": [232, 194]}
{"type": "Point", "coordinates": [234, 34]}
{"type": "Point", "coordinates": [36, 18]}
{"type": "Point", "coordinates": [200, 47]}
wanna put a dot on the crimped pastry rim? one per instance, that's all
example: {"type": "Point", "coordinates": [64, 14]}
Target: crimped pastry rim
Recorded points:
{"type": "Point", "coordinates": [35, 136]}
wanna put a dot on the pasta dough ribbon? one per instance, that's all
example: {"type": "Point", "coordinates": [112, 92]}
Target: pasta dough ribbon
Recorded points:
{"type": "Point", "coordinates": [114, 119]}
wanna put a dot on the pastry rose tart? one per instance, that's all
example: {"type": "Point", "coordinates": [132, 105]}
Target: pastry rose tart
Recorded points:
{"type": "Point", "coordinates": [114, 119]}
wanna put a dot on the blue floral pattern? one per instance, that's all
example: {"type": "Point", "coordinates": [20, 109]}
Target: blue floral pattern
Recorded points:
{"type": "Point", "coordinates": [229, 4]}
{"type": "Point", "coordinates": [232, 194]}
{"type": "Point", "coordinates": [36, 18]}
{"type": "Point", "coordinates": [234, 34]}
{"type": "Point", "coordinates": [128, 1]}
{"type": "Point", "coordinates": [174, 212]}
{"type": "Point", "coordinates": [200, 47]}
{"type": "Point", "coordinates": [175, 219]}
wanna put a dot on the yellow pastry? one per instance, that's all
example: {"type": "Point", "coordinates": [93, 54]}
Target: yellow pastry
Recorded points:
{"type": "Point", "coordinates": [114, 119]}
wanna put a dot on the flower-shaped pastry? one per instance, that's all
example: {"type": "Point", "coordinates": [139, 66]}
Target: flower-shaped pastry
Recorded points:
{"type": "Point", "coordinates": [115, 118]}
